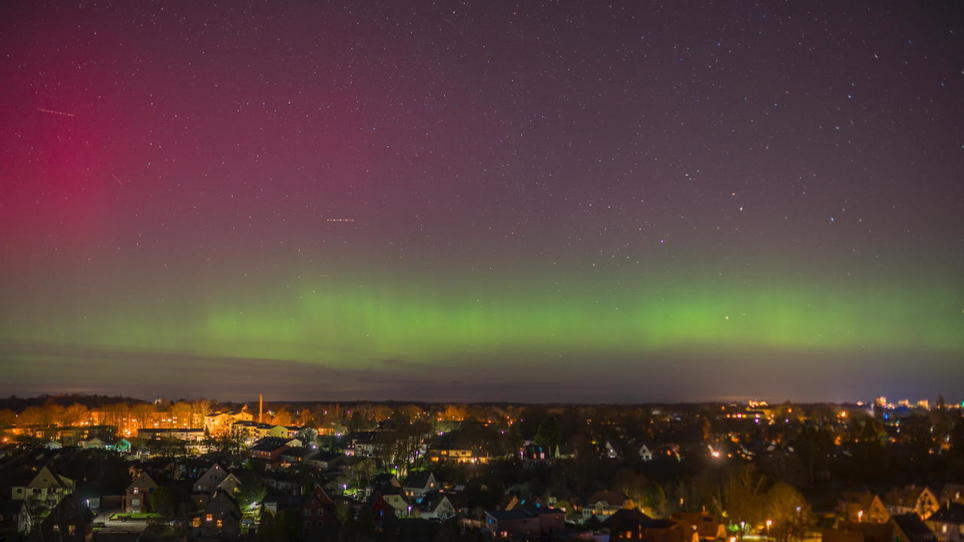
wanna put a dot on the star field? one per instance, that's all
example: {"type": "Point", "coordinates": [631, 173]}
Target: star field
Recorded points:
{"type": "Point", "coordinates": [526, 201]}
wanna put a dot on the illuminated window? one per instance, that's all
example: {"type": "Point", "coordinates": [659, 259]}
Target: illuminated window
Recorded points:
{"type": "Point", "coordinates": [209, 517]}
{"type": "Point", "coordinates": [71, 529]}
{"type": "Point", "coordinates": [196, 522]}
{"type": "Point", "coordinates": [220, 523]}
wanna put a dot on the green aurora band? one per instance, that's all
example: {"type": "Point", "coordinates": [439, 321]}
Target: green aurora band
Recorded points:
{"type": "Point", "coordinates": [345, 321]}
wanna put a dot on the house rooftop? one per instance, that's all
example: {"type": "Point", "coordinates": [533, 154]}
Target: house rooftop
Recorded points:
{"type": "Point", "coordinates": [912, 525]}
{"type": "Point", "coordinates": [522, 512]}
{"type": "Point", "coordinates": [417, 479]}
{"type": "Point", "coordinates": [950, 513]}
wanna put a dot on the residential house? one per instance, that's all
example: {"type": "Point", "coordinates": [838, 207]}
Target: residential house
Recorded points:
{"type": "Point", "coordinates": [269, 448]}
{"type": "Point", "coordinates": [451, 448]}
{"type": "Point", "coordinates": [219, 518]}
{"type": "Point", "coordinates": [395, 499]}
{"type": "Point", "coordinates": [861, 507]}
{"type": "Point", "coordinates": [362, 444]}
{"type": "Point", "coordinates": [69, 521]}
{"type": "Point", "coordinates": [318, 513]}
{"type": "Point", "coordinates": [217, 478]}
{"type": "Point", "coordinates": [917, 499]}
{"type": "Point", "coordinates": [911, 528]}
{"type": "Point", "coordinates": [645, 453]}
{"type": "Point", "coordinates": [420, 483]}
{"type": "Point", "coordinates": [948, 523]}
{"type": "Point", "coordinates": [455, 455]}
{"type": "Point", "coordinates": [385, 511]}
{"type": "Point", "coordinates": [435, 506]}
{"type": "Point", "coordinates": [603, 504]}
{"type": "Point", "coordinates": [136, 496]}
{"type": "Point", "coordinates": [316, 510]}
{"type": "Point", "coordinates": [44, 490]}
{"type": "Point", "coordinates": [250, 431]}
{"type": "Point", "coordinates": [525, 521]}
{"type": "Point", "coordinates": [298, 455]}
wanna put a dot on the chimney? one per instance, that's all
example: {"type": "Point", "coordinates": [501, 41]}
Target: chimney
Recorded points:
{"type": "Point", "coordinates": [260, 407]}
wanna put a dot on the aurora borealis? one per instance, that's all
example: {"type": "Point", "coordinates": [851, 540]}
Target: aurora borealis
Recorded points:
{"type": "Point", "coordinates": [562, 202]}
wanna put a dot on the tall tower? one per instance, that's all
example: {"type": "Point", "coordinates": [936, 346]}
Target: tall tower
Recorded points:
{"type": "Point", "coordinates": [260, 408]}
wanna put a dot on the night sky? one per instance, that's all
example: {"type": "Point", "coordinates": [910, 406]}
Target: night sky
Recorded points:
{"type": "Point", "coordinates": [578, 201]}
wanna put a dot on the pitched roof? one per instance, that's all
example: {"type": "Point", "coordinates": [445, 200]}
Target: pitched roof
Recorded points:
{"type": "Point", "coordinates": [912, 525]}
{"type": "Point", "coordinates": [522, 512]}
{"type": "Point", "coordinates": [417, 479]}
{"type": "Point", "coordinates": [905, 497]}
{"type": "Point", "coordinates": [143, 481]}
{"type": "Point", "coordinates": [433, 501]}
{"type": "Point", "coordinates": [952, 513]}
{"type": "Point", "coordinates": [60, 481]}
{"type": "Point", "coordinates": [269, 444]}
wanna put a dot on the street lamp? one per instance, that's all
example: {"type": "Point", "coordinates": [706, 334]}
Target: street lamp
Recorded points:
{"type": "Point", "coordinates": [769, 524]}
